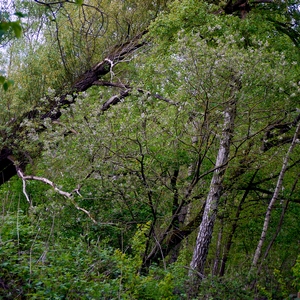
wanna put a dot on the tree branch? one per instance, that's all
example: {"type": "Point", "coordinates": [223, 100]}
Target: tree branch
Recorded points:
{"type": "Point", "coordinates": [24, 178]}
{"type": "Point", "coordinates": [52, 110]}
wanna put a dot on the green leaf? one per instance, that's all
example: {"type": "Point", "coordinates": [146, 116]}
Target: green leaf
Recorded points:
{"type": "Point", "coordinates": [79, 2]}
{"type": "Point", "coordinates": [16, 28]}
{"type": "Point", "coordinates": [4, 26]}
{"type": "Point", "coordinates": [5, 86]}
{"type": "Point", "coordinates": [19, 14]}
{"type": "Point", "coordinates": [6, 83]}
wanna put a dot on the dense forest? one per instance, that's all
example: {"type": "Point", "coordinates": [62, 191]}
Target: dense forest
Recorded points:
{"type": "Point", "coordinates": [149, 149]}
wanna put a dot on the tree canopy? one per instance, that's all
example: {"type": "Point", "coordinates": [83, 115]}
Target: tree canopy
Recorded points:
{"type": "Point", "coordinates": [149, 149]}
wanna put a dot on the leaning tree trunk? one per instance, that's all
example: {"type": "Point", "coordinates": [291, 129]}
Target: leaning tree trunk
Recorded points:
{"type": "Point", "coordinates": [212, 201]}
{"type": "Point", "coordinates": [274, 198]}
{"type": "Point", "coordinates": [280, 223]}
{"type": "Point", "coordinates": [52, 110]}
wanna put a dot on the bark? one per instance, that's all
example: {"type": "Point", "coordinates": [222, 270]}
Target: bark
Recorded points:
{"type": "Point", "coordinates": [117, 55]}
{"type": "Point", "coordinates": [207, 224]}
{"type": "Point", "coordinates": [212, 201]}
{"type": "Point", "coordinates": [274, 198]}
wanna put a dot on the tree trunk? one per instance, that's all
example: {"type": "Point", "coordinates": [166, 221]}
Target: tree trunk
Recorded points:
{"type": "Point", "coordinates": [280, 223]}
{"type": "Point", "coordinates": [212, 201]}
{"type": "Point", "coordinates": [274, 198]}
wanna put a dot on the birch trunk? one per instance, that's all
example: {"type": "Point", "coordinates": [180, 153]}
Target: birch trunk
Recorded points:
{"type": "Point", "coordinates": [274, 198]}
{"type": "Point", "coordinates": [212, 201]}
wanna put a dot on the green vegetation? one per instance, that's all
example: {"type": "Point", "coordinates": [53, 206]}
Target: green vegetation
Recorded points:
{"type": "Point", "coordinates": [149, 150]}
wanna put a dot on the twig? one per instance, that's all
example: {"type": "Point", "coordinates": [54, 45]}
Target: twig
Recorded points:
{"type": "Point", "coordinates": [25, 193]}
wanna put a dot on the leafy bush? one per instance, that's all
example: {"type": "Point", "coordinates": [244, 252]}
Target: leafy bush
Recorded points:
{"type": "Point", "coordinates": [221, 288]}
{"type": "Point", "coordinates": [35, 268]}
{"type": "Point", "coordinates": [296, 273]}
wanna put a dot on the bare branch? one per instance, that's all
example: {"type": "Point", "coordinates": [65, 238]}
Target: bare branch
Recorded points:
{"type": "Point", "coordinates": [114, 100]}
{"type": "Point", "coordinates": [52, 184]}
{"type": "Point", "coordinates": [46, 181]}
{"type": "Point", "coordinates": [25, 193]}
{"type": "Point", "coordinates": [84, 210]}
{"type": "Point", "coordinates": [117, 98]}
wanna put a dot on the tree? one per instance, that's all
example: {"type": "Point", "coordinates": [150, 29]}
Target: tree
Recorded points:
{"type": "Point", "coordinates": [215, 190]}
{"type": "Point", "coordinates": [179, 125]}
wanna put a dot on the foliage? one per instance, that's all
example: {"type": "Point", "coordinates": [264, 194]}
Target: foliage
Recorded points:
{"type": "Point", "coordinates": [296, 273]}
{"type": "Point", "coordinates": [7, 26]}
{"type": "Point", "coordinates": [37, 263]}
{"type": "Point", "coordinates": [142, 168]}
{"type": "Point", "coordinates": [224, 288]}
{"type": "Point", "coordinates": [6, 83]}
{"type": "Point", "coordinates": [8, 29]}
